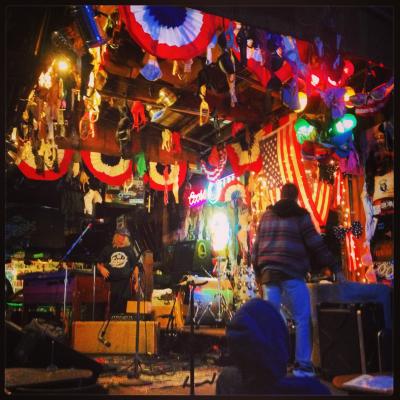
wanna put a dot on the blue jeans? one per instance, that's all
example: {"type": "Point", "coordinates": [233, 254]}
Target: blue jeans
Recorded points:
{"type": "Point", "coordinates": [297, 298]}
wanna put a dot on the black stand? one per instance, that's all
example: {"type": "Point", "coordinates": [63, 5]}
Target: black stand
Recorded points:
{"type": "Point", "coordinates": [77, 241]}
{"type": "Point", "coordinates": [133, 377]}
{"type": "Point", "coordinates": [192, 286]}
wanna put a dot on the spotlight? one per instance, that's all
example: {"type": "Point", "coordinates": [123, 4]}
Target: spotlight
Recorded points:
{"type": "Point", "coordinates": [63, 65]}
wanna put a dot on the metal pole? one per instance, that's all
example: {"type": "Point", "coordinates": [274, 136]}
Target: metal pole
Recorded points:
{"type": "Point", "coordinates": [191, 341]}
{"type": "Point", "coordinates": [66, 269]}
{"type": "Point", "coordinates": [94, 290]}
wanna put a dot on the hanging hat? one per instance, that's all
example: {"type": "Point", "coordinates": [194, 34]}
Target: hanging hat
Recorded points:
{"type": "Point", "coordinates": [227, 62]}
{"type": "Point", "coordinates": [122, 231]}
{"type": "Point", "coordinates": [151, 71]}
{"type": "Point", "coordinates": [290, 95]}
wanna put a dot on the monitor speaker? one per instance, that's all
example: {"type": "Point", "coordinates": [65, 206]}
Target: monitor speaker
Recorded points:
{"type": "Point", "coordinates": [35, 349]}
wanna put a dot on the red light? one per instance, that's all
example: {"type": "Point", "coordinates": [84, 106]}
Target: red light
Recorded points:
{"type": "Point", "coordinates": [333, 83]}
{"type": "Point", "coordinates": [314, 80]}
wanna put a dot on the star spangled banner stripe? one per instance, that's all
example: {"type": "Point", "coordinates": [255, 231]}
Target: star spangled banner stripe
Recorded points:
{"type": "Point", "coordinates": [282, 163]}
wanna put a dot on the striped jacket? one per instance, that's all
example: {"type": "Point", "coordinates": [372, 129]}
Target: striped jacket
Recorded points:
{"type": "Point", "coordinates": [287, 241]}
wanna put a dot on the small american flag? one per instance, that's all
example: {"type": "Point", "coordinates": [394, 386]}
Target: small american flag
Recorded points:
{"type": "Point", "coordinates": [282, 163]}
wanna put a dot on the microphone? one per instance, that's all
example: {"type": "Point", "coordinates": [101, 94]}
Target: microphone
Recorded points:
{"type": "Point", "coordinates": [97, 221]}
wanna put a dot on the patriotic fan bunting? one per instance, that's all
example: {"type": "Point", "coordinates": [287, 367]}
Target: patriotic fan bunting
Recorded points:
{"type": "Point", "coordinates": [234, 186]}
{"type": "Point", "coordinates": [242, 160]}
{"type": "Point", "coordinates": [177, 33]}
{"type": "Point", "coordinates": [157, 180]}
{"type": "Point", "coordinates": [282, 163]}
{"type": "Point", "coordinates": [114, 175]}
{"type": "Point", "coordinates": [27, 164]}
{"type": "Point", "coordinates": [214, 173]}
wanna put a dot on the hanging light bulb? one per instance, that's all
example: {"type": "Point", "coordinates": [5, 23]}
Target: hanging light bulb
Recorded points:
{"type": "Point", "coordinates": [302, 102]}
{"type": "Point", "coordinates": [345, 124]}
{"type": "Point", "coordinates": [347, 95]}
{"type": "Point", "coordinates": [304, 130]}
{"type": "Point", "coordinates": [315, 80]}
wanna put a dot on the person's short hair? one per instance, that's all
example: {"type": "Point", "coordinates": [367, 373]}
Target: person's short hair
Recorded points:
{"type": "Point", "coordinates": [290, 191]}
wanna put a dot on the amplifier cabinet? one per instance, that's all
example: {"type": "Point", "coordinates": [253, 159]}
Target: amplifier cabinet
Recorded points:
{"type": "Point", "coordinates": [120, 334]}
{"type": "Point", "coordinates": [348, 337]}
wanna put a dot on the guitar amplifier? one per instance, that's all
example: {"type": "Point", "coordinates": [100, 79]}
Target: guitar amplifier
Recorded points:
{"type": "Point", "coordinates": [348, 337]}
{"type": "Point", "coordinates": [120, 334]}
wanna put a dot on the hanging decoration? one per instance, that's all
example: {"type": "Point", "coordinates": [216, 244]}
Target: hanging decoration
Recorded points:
{"type": "Point", "coordinates": [166, 140]}
{"type": "Point", "coordinates": [177, 33]}
{"type": "Point", "coordinates": [204, 111]}
{"type": "Point", "coordinates": [123, 133]}
{"type": "Point", "coordinates": [227, 61]}
{"type": "Point", "coordinates": [26, 163]}
{"type": "Point", "coordinates": [156, 180]}
{"type": "Point", "coordinates": [232, 187]}
{"type": "Point", "coordinates": [138, 114]}
{"type": "Point", "coordinates": [340, 231]}
{"type": "Point", "coordinates": [176, 143]}
{"type": "Point", "coordinates": [140, 162]}
{"type": "Point", "coordinates": [244, 160]}
{"type": "Point", "coordinates": [115, 174]}
{"type": "Point", "coordinates": [151, 70]}
{"type": "Point", "coordinates": [367, 104]}
{"type": "Point", "coordinates": [215, 173]}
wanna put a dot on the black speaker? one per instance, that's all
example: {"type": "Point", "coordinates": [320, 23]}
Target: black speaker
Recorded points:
{"type": "Point", "coordinates": [191, 257]}
{"type": "Point", "coordinates": [202, 259]}
{"type": "Point", "coordinates": [34, 349]}
{"type": "Point", "coordinates": [348, 337]}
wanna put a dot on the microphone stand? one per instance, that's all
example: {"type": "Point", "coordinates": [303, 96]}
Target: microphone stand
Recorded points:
{"type": "Point", "coordinates": [77, 241]}
{"type": "Point", "coordinates": [133, 377]}
{"type": "Point", "coordinates": [192, 285]}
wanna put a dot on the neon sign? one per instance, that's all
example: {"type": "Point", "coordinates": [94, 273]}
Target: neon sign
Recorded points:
{"type": "Point", "coordinates": [214, 188]}
{"type": "Point", "coordinates": [195, 199]}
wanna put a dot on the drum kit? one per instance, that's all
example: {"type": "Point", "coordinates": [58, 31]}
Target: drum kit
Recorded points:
{"type": "Point", "coordinates": [213, 296]}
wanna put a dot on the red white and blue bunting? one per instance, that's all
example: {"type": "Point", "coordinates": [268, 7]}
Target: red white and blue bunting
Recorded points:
{"type": "Point", "coordinates": [114, 175]}
{"type": "Point", "coordinates": [177, 33]}
{"type": "Point", "coordinates": [214, 173]}
{"type": "Point", "coordinates": [27, 164]}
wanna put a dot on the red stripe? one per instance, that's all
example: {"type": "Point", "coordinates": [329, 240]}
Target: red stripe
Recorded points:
{"type": "Point", "coordinates": [302, 176]}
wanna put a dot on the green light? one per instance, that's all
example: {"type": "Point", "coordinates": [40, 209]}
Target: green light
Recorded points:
{"type": "Point", "coordinates": [304, 131]}
{"type": "Point", "coordinates": [345, 124]}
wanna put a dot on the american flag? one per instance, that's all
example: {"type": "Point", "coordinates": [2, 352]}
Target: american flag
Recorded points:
{"type": "Point", "coordinates": [282, 163]}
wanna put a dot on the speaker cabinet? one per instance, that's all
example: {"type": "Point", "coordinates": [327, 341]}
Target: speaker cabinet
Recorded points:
{"type": "Point", "coordinates": [192, 256]}
{"type": "Point", "coordinates": [120, 334]}
{"type": "Point", "coordinates": [348, 337]}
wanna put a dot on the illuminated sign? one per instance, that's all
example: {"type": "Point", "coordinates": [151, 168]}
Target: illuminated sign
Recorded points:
{"type": "Point", "coordinates": [195, 199]}
{"type": "Point", "coordinates": [214, 188]}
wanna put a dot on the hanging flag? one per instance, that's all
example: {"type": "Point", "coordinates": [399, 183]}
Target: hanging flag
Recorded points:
{"type": "Point", "coordinates": [115, 174]}
{"type": "Point", "coordinates": [281, 158]}
{"type": "Point", "coordinates": [177, 33]}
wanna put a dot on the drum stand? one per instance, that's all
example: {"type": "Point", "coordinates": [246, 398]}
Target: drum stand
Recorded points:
{"type": "Point", "coordinates": [223, 308]}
